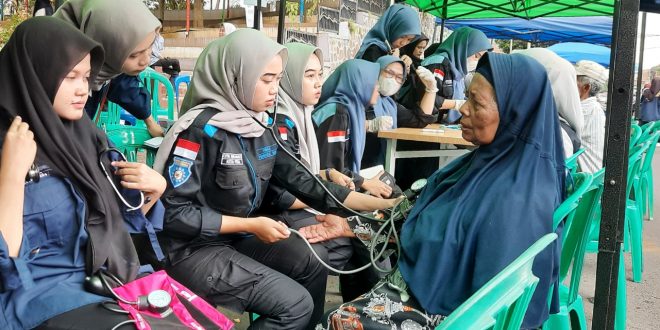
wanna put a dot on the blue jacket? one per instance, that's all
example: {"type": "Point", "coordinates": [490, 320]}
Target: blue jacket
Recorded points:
{"type": "Point", "coordinates": [46, 279]}
{"type": "Point", "coordinates": [126, 91]}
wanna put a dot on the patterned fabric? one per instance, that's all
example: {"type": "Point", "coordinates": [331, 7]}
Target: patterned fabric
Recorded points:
{"type": "Point", "coordinates": [389, 305]}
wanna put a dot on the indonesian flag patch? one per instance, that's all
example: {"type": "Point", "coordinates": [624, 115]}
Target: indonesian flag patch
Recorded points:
{"type": "Point", "coordinates": [439, 74]}
{"type": "Point", "coordinates": [186, 149]}
{"type": "Point", "coordinates": [336, 136]}
{"type": "Point", "coordinates": [283, 133]}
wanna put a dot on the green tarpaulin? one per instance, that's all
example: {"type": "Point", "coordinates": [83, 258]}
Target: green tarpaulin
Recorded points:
{"type": "Point", "coordinates": [451, 9]}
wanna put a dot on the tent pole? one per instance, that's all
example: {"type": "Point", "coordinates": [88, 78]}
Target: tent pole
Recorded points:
{"type": "Point", "coordinates": [619, 97]}
{"type": "Point", "coordinates": [442, 30]}
{"type": "Point", "coordinates": [640, 70]}
{"type": "Point", "coordinates": [257, 15]}
{"type": "Point", "coordinates": [280, 22]}
{"type": "Point", "coordinates": [435, 29]}
{"type": "Point", "coordinates": [510, 46]}
{"type": "Point", "coordinates": [187, 18]}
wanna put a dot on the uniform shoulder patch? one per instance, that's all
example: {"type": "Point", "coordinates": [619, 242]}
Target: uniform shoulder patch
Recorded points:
{"type": "Point", "coordinates": [289, 123]}
{"type": "Point", "coordinates": [180, 171]}
{"type": "Point", "coordinates": [283, 133]}
{"type": "Point", "coordinates": [210, 130]}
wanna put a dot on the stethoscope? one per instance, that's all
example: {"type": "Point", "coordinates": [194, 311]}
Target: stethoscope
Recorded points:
{"type": "Point", "coordinates": [129, 207]}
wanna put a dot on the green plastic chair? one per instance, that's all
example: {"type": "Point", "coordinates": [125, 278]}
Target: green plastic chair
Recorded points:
{"type": "Point", "coordinates": [646, 183]}
{"type": "Point", "coordinates": [635, 135]}
{"type": "Point", "coordinates": [502, 302]}
{"type": "Point", "coordinates": [152, 81]}
{"type": "Point", "coordinates": [130, 141]}
{"type": "Point", "coordinates": [566, 210]}
{"type": "Point", "coordinates": [572, 161]}
{"type": "Point", "coordinates": [576, 235]}
{"type": "Point", "coordinates": [634, 210]}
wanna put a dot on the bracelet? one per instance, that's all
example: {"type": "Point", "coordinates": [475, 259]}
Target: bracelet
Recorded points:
{"type": "Point", "coordinates": [327, 174]}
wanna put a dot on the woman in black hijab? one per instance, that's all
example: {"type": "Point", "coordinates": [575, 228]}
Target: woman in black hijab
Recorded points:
{"type": "Point", "coordinates": [65, 220]}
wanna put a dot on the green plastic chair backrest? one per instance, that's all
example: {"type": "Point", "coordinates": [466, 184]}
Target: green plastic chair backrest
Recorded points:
{"type": "Point", "coordinates": [635, 164]}
{"type": "Point", "coordinates": [572, 161]}
{"type": "Point", "coordinates": [130, 141]}
{"type": "Point", "coordinates": [502, 302]}
{"type": "Point", "coordinates": [152, 80]}
{"type": "Point", "coordinates": [648, 158]}
{"type": "Point", "coordinates": [576, 234]}
{"type": "Point", "coordinates": [635, 134]}
{"type": "Point", "coordinates": [565, 210]}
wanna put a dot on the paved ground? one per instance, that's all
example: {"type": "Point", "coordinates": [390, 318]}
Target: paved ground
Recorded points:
{"type": "Point", "coordinates": [643, 298]}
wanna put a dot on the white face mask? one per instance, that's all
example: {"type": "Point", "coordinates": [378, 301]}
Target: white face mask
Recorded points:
{"type": "Point", "coordinates": [388, 86]}
{"type": "Point", "coordinates": [471, 64]}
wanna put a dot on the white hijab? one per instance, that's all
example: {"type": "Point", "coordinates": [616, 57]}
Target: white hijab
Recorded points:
{"type": "Point", "coordinates": [562, 77]}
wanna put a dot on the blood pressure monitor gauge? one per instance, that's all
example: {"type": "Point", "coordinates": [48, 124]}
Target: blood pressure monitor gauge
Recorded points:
{"type": "Point", "coordinates": [418, 185]}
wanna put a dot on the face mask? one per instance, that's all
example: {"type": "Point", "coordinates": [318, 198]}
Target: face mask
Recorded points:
{"type": "Point", "coordinates": [388, 86]}
{"type": "Point", "coordinates": [471, 65]}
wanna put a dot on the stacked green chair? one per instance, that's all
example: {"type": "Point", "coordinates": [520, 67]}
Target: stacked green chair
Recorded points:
{"type": "Point", "coordinates": [646, 175]}
{"type": "Point", "coordinates": [635, 135]}
{"type": "Point", "coordinates": [634, 209]}
{"type": "Point", "coordinates": [152, 81]}
{"type": "Point", "coordinates": [589, 189]}
{"type": "Point", "coordinates": [502, 302]}
{"type": "Point", "coordinates": [572, 161]}
{"type": "Point", "coordinates": [130, 141]}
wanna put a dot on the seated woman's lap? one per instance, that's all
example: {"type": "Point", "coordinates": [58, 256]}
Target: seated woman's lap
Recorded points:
{"type": "Point", "coordinates": [249, 275]}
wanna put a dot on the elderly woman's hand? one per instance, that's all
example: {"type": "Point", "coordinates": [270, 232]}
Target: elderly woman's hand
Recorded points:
{"type": "Point", "coordinates": [329, 227]}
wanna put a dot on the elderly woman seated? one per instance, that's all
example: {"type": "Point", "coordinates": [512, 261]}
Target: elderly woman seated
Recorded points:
{"type": "Point", "coordinates": [476, 215]}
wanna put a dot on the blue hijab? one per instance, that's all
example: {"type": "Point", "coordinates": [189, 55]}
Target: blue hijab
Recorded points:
{"type": "Point", "coordinates": [350, 85]}
{"type": "Point", "coordinates": [461, 44]}
{"type": "Point", "coordinates": [386, 105]}
{"type": "Point", "coordinates": [480, 212]}
{"type": "Point", "coordinates": [397, 21]}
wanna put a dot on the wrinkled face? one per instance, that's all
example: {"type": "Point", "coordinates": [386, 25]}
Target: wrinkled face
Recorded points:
{"type": "Point", "coordinates": [419, 49]}
{"type": "Point", "coordinates": [70, 99]}
{"type": "Point", "coordinates": [480, 113]}
{"type": "Point", "coordinates": [402, 41]}
{"type": "Point", "coordinates": [265, 92]}
{"type": "Point", "coordinates": [139, 58]}
{"type": "Point", "coordinates": [374, 96]}
{"type": "Point", "coordinates": [312, 81]}
{"type": "Point", "coordinates": [583, 89]}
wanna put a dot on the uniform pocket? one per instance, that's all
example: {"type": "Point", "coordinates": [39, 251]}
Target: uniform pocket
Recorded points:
{"type": "Point", "coordinates": [49, 212]}
{"type": "Point", "coordinates": [231, 178]}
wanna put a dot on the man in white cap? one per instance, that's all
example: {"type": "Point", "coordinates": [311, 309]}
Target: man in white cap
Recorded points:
{"type": "Point", "coordinates": [591, 80]}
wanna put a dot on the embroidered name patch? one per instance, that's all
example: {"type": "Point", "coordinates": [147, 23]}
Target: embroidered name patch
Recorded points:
{"type": "Point", "coordinates": [180, 171]}
{"type": "Point", "coordinates": [186, 149]}
{"type": "Point", "coordinates": [283, 133]}
{"type": "Point", "coordinates": [231, 159]}
{"type": "Point", "coordinates": [267, 152]}
{"type": "Point", "coordinates": [336, 136]}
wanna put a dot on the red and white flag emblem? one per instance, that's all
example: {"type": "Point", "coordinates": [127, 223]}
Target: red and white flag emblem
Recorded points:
{"type": "Point", "coordinates": [439, 74]}
{"type": "Point", "coordinates": [336, 136]}
{"type": "Point", "coordinates": [283, 133]}
{"type": "Point", "coordinates": [186, 149]}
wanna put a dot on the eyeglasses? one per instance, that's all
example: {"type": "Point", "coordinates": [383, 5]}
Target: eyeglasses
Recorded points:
{"type": "Point", "coordinates": [107, 175]}
{"type": "Point", "coordinates": [400, 78]}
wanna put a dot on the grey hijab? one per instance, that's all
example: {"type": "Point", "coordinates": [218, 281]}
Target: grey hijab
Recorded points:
{"type": "Point", "coordinates": [290, 101]}
{"type": "Point", "coordinates": [118, 25]}
{"type": "Point", "coordinates": [225, 79]}
{"type": "Point", "coordinates": [562, 77]}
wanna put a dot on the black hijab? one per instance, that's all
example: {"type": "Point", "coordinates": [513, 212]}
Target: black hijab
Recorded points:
{"type": "Point", "coordinates": [409, 49]}
{"type": "Point", "coordinates": [34, 62]}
